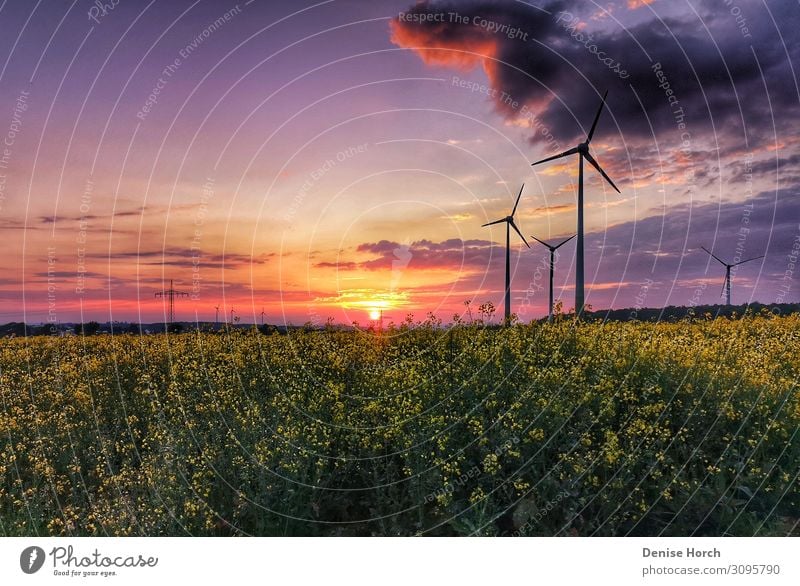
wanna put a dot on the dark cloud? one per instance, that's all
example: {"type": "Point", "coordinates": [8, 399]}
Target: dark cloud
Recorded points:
{"type": "Point", "coordinates": [89, 217]}
{"type": "Point", "coordinates": [184, 257]}
{"type": "Point", "coordinates": [732, 87]}
{"type": "Point", "coordinates": [342, 266]}
{"type": "Point", "coordinates": [420, 255]}
{"type": "Point", "coordinates": [68, 275]}
{"type": "Point", "coordinates": [777, 166]}
{"type": "Point", "coordinates": [666, 249]}
{"type": "Point", "coordinates": [15, 224]}
{"type": "Point", "coordinates": [382, 247]}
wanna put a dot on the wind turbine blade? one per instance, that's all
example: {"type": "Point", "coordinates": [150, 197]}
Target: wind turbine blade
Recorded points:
{"type": "Point", "coordinates": [565, 241]}
{"type": "Point", "coordinates": [571, 151]}
{"type": "Point", "coordinates": [541, 242]}
{"type": "Point", "coordinates": [594, 164]}
{"type": "Point", "coordinates": [724, 282]}
{"type": "Point", "coordinates": [513, 225]}
{"type": "Point", "coordinates": [596, 118]}
{"type": "Point", "coordinates": [748, 260]}
{"type": "Point", "coordinates": [514, 211]}
{"type": "Point", "coordinates": [715, 256]}
{"type": "Point", "coordinates": [493, 223]}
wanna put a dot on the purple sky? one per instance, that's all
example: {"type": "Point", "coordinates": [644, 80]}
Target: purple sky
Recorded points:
{"type": "Point", "coordinates": [334, 158]}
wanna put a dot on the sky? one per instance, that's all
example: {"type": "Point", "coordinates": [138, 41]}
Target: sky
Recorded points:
{"type": "Point", "coordinates": [305, 161]}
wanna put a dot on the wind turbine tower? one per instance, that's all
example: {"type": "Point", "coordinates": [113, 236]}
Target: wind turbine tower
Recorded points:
{"type": "Point", "coordinates": [552, 250]}
{"type": "Point", "coordinates": [726, 284]}
{"type": "Point", "coordinates": [582, 150]}
{"type": "Point", "coordinates": [509, 220]}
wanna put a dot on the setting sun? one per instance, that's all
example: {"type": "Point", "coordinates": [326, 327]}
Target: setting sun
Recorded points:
{"type": "Point", "coordinates": [374, 314]}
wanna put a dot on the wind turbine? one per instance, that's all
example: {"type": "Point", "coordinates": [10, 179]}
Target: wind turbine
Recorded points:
{"type": "Point", "coordinates": [509, 220]}
{"type": "Point", "coordinates": [552, 250]}
{"type": "Point", "coordinates": [726, 284]}
{"type": "Point", "coordinates": [582, 150]}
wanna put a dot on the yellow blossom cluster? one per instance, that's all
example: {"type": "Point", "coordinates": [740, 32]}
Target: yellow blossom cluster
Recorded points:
{"type": "Point", "coordinates": [571, 428]}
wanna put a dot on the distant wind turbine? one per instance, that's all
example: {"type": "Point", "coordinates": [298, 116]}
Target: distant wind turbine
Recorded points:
{"type": "Point", "coordinates": [582, 150]}
{"type": "Point", "coordinates": [552, 250]}
{"type": "Point", "coordinates": [726, 284]}
{"type": "Point", "coordinates": [509, 220]}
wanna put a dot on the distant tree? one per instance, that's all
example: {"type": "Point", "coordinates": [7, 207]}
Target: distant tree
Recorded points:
{"type": "Point", "coordinates": [175, 328]}
{"type": "Point", "coordinates": [15, 329]}
{"type": "Point", "coordinates": [44, 330]}
{"type": "Point", "coordinates": [88, 329]}
{"type": "Point", "coordinates": [267, 329]}
{"type": "Point", "coordinates": [134, 328]}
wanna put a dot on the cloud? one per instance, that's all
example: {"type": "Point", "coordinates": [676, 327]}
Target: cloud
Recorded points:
{"type": "Point", "coordinates": [622, 259]}
{"type": "Point", "coordinates": [383, 247]}
{"type": "Point", "coordinates": [451, 254]}
{"type": "Point", "coordinates": [731, 89]}
{"type": "Point", "coordinates": [775, 166]}
{"type": "Point", "coordinates": [185, 257]}
{"type": "Point", "coordinates": [15, 224]}
{"type": "Point", "coordinates": [667, 249]}
{"type": "Point", "coordinates": [89, 217]}
{"type": "Point", "coordinates": [634, 4]}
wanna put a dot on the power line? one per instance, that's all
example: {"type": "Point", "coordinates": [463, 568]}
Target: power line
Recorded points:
{"type": "Point", "coordinates": [170, 295]}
